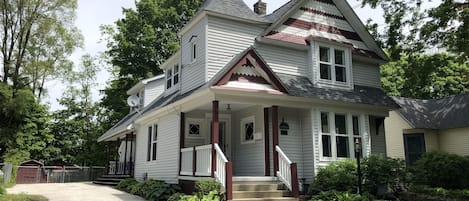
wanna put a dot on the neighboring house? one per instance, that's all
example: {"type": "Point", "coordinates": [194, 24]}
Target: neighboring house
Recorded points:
{"type": "Point", "coordinates": [262, 96]}
{"type": "Point", "coordinates": [426, 125]}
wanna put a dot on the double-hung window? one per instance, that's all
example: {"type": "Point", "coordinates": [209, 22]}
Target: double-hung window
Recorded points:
{"type": "Point", "coordinates": [154, 141]}
{"type": "Point", "coordinates": [175, 74]}
{"type": "Point", "coordinates": [338, 134]}
{"type": "Point", "coordinates": [172, 76]}
{"type": "Point", "coordinates": [333, 65]}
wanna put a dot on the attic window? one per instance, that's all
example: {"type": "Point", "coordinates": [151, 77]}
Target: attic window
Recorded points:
{"type": "Point", "coordinates": [333, 64]}
{"type": "Point", "coordinates": [169, 78]}
{"type": "Point", "coordinates": [172, 76]}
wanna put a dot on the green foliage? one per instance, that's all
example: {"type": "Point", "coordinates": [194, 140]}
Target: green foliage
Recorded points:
{"type": "Point", "coordinates": [153, 190]}
{"type": "Point", "coordinates": [425, 76]}
{"type": "Point", "coordinates": [440, 192]}
{"type": "Point", "coordinates": [126, 184]}
{"type": "Point", "coordinates": [440, 169]}
{"type": "Point", "coordinates": [205, 186]}
{"type": "Point", "coordinates": [380, 171]}
{"type": "Point", "coordinates": [22, 197]}
{"type": "Point", "coordinates": [339, 176]}
{"type": "Point", "coordinates": [339, 196]}
{"type": "Point", "coordinates": [2, 190]}
{"type": "Point", "coordinates": [176, 197]}
{"type": "Point", "coordinates": [210, 196]}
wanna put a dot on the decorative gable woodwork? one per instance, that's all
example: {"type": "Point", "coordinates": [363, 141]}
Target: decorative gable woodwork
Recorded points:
{"type": "Point", "coordinates": [249, 72]}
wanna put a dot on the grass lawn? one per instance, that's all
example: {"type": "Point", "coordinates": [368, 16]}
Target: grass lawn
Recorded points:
{"type": "Point", "coordinates": [22, 197]}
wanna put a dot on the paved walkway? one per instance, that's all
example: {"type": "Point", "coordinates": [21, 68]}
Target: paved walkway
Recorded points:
{"type": "Point", "coordinates": [74, 192]}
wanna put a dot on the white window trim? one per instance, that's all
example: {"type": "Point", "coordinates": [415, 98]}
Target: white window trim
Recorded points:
{"type": "Point", "coordinates": [194, 54]}
{"type": "Point", "coordinates": [176, 71]}
{"type": "Point", "coordinates": [170, 77]}
{"type": "Point", "coordinates": [333, 134]}
{"type": "Point", "coordinates": [202, 129]}
{"type": "Point", "coordinates": [243, 131]}
{"type": "Point", "coordinates": [348, 66]}
{"type": "Point", "coordinates": [154, 142]}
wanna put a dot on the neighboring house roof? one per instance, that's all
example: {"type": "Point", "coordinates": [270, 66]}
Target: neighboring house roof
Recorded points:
{"type": "Point", "coordinates": [233, 8]}
{"type": "Point", "coordinates": [444, 113]}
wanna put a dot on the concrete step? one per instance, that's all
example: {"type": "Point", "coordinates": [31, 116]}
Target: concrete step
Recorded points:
{"type": "Point", "coordinates": [257, 186]}
{"type": "Point", "coordinates": [267, 199]}
{"type": "Point", "coordinates": [116, 176]}
{"type": "Point", "coordinates": [109, 179]}
{"type": "Point", "coordinates": [260, 194]}
{"type": "Point", "coordinates": [107, 183]}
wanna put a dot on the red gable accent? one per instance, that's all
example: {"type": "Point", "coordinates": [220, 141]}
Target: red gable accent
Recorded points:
{"type": "Point", "coordinates": [259, 63]}
{"type": "Point", "coordinates": [321, 27]}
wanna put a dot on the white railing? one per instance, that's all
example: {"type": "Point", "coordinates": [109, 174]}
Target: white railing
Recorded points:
{"type": "Point", "coordinates": [203, 160]}
{"type": "Point", "coordinates": [187, 161]}
{"type": "Point", "coordinates": [220, 173]}
{"type": "Point", "coordinates": [118, 167]}
{"type": "Point", "coordinates": [284, 170]}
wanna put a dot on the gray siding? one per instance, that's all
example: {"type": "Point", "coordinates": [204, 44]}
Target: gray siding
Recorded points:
{"type": "Point", "coordinates": [166, 163]}
{"type": "Point", "coordinates": [366, 74]}
{"type": "Point", "coordinates": [284, 60]}
{"type": "Point", "coordinates": [193, 73]}
{"type": "Point", "coordinates": [308, 147]}
{"type": "Point", "coordinates": [226, 39]}
{"type": "Point", "coordinates": [248, 159]}
{"type": "Point", "coordinates": [291, 144]}
{"type": "Point", "coordinates": [153, 90]}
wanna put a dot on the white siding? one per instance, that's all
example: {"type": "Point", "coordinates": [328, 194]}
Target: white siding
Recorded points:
{"type": "Point", "coordinates": [193, 73]}
{"type": "Point", "coordinates": [308, 147]}
{"type": "Point", "coordinates": [366, 74]}
{"type": "Point", "coordinates": [378, 140]}
{"type": "Point", "coordinates": [248, 159]}
{"type": "Point", "coordinates": [153, 90]}
{"type": "Point", "coordinates": [165, 167]}
{"type": "Point", "coordinates": [226, 39]}
{"type": "Point", "coordinates": [284, 60]}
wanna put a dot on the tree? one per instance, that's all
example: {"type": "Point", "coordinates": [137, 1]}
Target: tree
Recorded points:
{"type": "Point", "coordinates": [425, 76]}
{"type": "Point", "coordinates": [36, 34]}
{"type": "Point", "coordinates": [76, 127]}
{"type": "Point", "coordinates": [138, 44]}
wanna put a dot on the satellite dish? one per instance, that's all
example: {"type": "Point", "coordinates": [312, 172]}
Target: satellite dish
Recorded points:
{"type": "Point", "coordinates": [133, 101]}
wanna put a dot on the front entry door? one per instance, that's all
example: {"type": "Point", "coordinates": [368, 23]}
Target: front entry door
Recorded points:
{"type": "Point", "coordinates": [223, 136]}
{"type": "Point", "coordinates": [414, 147]}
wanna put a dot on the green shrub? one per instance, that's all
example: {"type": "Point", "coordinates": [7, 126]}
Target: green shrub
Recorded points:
{"type": "Point", "coordinates": [210, 196]}
{"type": "Point", "coordinates": [440, 192]}
{"type": "Point", "coordinates": [151, 189]}
{"type": "Point", "coordinates": [205, 186]}
{"type": "Point", "coordinates": [126, 184]}
{"type": "Point", "coordinates": [383, 172]}
{"type": "Point", "coordinates": [440, 169]}
{"type": "Point", "coordinates": [338, 176]}
{"type": "Point", "coordinates": [176, 197]}
{"type": "Point", "coordinates": [339, 196]}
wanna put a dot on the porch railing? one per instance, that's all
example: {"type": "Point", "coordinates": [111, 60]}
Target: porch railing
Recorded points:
{"type": "Point", "coordinates": [224, 172]}
{"type": "Point", "coordinates": [287, 172]}
{"type": "Point", "coordinates": [120, 168]}
{"type": "Point", "coordinates": [196, 161]}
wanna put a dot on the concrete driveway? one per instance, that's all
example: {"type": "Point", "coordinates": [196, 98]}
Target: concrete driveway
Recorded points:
{"type": "Point", "coordinates": [74, 192]}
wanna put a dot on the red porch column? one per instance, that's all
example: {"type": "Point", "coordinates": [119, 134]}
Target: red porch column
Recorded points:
{"type": "Point", "coordinates": [266, 142]}
{"type": "Point", "coordinates": [182, 135]}
{"type": "Point", "coordinates": [275, 137]}
{"type": "Point", "coordinates": [215, 134]}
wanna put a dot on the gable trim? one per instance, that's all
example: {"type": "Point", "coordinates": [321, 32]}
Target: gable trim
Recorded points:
{"type": "Point", "coordinates": [322, 27]}
{"type": "Point", "coordinates": [252, 57]}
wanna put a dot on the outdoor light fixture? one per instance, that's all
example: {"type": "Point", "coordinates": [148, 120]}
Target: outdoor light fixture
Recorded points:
{"type": "Point", "coordinates": [284, 127]}
{"type": "Point", "coordinates": [358, 150]}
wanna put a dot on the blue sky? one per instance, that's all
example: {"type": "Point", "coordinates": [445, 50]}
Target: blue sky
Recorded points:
{"type": "Point", "coordinates": [91, 14]}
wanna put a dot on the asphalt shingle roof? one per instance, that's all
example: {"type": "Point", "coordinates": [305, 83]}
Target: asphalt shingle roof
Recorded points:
{"type": "Point", "coordinates": [444, 113]}
{"type": "Point", "coordinates": [234, 8]}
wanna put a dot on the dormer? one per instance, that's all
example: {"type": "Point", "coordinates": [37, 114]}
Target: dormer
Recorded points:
{"type": "Point", "coordinates": [147, 90]}
{"type": "Point", "coordinates": [172, 73]}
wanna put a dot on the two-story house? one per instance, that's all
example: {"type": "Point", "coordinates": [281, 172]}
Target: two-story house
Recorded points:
{"type": "Point", "coordinates": [252, 96]}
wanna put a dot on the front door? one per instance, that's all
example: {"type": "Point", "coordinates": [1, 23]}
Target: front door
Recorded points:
{"type": "Point", "coordinates": [414, 147]}
{"type": "Point", "coordinates": [223, 136]}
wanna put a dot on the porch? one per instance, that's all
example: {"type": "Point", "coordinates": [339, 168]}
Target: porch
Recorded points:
{"type": "Point", "coordinates": [123, 162]}
{"type": "Point", "coordinates": [214, 141]}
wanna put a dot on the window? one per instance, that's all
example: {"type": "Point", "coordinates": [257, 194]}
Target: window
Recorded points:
{"type": "Point", "coordinates": [333, 64]}
{"type": "Point", "coordinates": [169, 78]}
{"type": "Point", "coordinates": [149, 143]}
{"type": "Point", "coordinates": [338, 134]}
{"type": "Point", "coordinates": [155, 141]}
{"type": "Point", "coordinates": [193, 51]}
{"type": "Point", "coordinates": [172, 76]}
{"type": "Point", "coordinates": [247, 130]}
{"type": "Point", "coordinates": [194, 128]}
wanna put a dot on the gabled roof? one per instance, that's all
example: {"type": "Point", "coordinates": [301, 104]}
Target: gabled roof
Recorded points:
{"type": "Point", "coordinates": [142, 83]}
{"type": "Point", "coordinates": [233, 8]}
{"type": "Point", "coordinates": [444, 113]}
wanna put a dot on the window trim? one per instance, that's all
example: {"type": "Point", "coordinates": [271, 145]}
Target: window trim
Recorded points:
{"type": "Point", "coordinates": [201, 128]}
{"type": "Point", "coordinates": [347, 64]}
{"type": "Point", "coordinates": [333, 134]}
{"type": "Point", "coordinates": [170, 75]}
{"type": "Point", "coordinates": [194, 51]}
{"type": "Point", "coordinates": [246, 120]}
{"type": "Point", "coordinates": [154, 142]}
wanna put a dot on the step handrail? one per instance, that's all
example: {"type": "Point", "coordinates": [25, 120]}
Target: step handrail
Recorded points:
{"type": "Point", "coordinates": [287, 172]}
{"type": "Point", "coordinates": [224, 171]}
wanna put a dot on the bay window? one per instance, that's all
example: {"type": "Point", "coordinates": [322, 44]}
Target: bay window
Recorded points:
{"type": "Point", "coordinates": [338, 134]}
